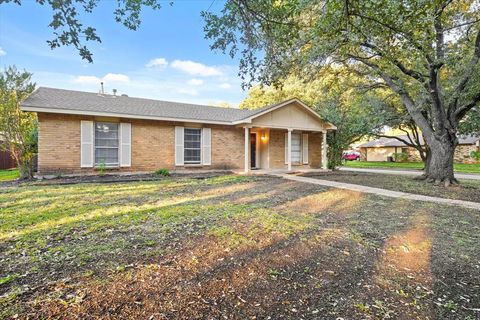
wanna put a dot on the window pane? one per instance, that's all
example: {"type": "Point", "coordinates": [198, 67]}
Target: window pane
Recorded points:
{"type": "Point", "coordinates": [106, 143]}
{"type": "Point", "coordinates": [192, 145]}
{"type": "Point", "coordinates": [296, 147]}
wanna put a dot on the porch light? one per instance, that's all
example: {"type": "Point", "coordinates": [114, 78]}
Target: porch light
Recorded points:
{"type": "Point", "coordinates": [263, 136]}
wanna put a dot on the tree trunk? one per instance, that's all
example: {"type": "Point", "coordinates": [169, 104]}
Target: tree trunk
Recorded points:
{"type": "Point", "coordinates": [25, 169]}
{"type": "Point", "coordinates": [439, 162]}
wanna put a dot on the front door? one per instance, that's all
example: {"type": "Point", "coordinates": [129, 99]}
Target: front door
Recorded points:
{"type": "Point", "coordinates": [253, 150]}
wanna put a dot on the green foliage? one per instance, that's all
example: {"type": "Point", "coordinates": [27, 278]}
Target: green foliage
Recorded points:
{"type": "Point", "coordinates": [423, 56]}
{"type": "Point", "coordinates": [337, 95]}
{"type": "Point", "coordinates": [8, 279]}
{"type": "Point", "coordinates": [102, 167]}
{"type": "Point", "coordinates": [475, 155]}
{"type": "Point", "coordinates": [69, 30]}
{"type": "Point", "coordinates": [400, 157]}
{"type": "Point", "coordinates": [19, 129]}
{"type": "Point", "coordinates": [162, 172]}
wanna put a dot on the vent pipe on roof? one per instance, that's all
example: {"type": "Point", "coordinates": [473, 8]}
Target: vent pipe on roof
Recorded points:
{"type": "Point", "coordinates": [101, 88]}
{"type": "Point", "coordinates": [114, 92]}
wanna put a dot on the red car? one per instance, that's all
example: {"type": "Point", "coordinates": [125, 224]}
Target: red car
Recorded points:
{"type": "Point", "coordinates": [352, 156]}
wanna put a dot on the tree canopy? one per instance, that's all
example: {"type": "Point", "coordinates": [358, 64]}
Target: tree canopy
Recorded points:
{"type": "Point", "coordinates": [339, 97]}
{"type": "Point", "coordinates": [18, 129]}
{"type": "Point", "coordinates": [426, 52]}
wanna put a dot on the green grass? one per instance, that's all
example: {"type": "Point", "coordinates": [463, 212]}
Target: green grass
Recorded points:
{"type": "Point", "coordinates": [459, 167]}
{"type": "Point", "coordinates": [7, 175]}
{"type": "Point", "coordinates": [228, 239]}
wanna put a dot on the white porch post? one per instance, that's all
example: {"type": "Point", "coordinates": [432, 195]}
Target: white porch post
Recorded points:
{"type": "Point", "coordinates": [289, 149]}
{"type": "Point", "coordinates": [247, 147]}
{"type": "Point", "coordinates": [324, 151]}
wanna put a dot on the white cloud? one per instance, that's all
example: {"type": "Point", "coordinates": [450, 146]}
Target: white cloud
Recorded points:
{"type": "Point", "coordinates": [87, 80]}
{"type": "Point", "coordinates": [108, 78]}
{"type": "Point", "coordinates": [225, 85]}
{"type": "Point", "coordinates": [195, 68]}
{"type": "Point", "coordinates": [2, 52]}
{"type": "Point", "coordinates": [116, 77]}
{"type": "Point", "coordinates": [195, 82]}
{"type": "Point", "coordinates": [158, 62]}
{"type": "Point", "coordinates": [188, 91]}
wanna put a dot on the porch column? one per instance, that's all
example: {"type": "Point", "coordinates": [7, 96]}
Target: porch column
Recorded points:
{"type": "Point", "coordinates": [324, 151]}
{"type": "Point", "coordinates": [247, 147]}
{"type": "Point", "coordinates": [289, 150]}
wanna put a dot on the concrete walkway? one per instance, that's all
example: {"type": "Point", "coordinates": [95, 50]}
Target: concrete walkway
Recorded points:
{"type": "Point", "coordinates": [407, 172]}
{"type": "Point", "coordinates": [381, 192]}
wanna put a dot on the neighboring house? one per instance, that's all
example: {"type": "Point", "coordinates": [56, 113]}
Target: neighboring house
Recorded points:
{"type": "Point", "coordinates": [381, 149]}
{"type": "Point", "coordinates": [82, 131]}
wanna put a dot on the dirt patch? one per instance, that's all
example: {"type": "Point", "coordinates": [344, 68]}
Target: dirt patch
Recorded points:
{"type": "Point", "coordinates": [468, 190]}
{"type": "Point", "coordinates": [219, 248]}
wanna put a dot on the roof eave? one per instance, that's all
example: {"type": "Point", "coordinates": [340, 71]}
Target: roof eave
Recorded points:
{"type": "Point", "coordinates": [29, 108]}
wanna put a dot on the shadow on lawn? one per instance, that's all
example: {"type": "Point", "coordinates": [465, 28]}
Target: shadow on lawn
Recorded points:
{"type": "Point", "coordinates": [301, 251]}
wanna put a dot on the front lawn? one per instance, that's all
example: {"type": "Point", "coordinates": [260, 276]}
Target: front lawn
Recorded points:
{"type": "Point", "coordinates": [468, 190]}
{"type": "Point", "coordinates": [7, 175]}
{"type": "Point", "coordinates": [238, 247]}
{"type": "Point", "coordinates": [459, 167]}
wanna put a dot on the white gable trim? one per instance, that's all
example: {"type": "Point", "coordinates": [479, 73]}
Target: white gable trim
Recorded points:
{"type": "Point", "coordinates": [283, 104]}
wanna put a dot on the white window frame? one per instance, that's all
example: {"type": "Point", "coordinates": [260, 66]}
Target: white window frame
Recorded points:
{"type": "Point", "coordinates": [108, 165]}
{"type": "Point", "coordinates": [199, 162]}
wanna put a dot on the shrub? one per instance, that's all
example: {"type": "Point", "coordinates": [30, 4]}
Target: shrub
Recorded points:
{"type": "Point", "coordinates": [162, 172]}
{"type": "Point", "coordinates": [475, 155]}
{"type": "Point", "coordinates": [400, 157]}
{"type": "Point", "coordinates": [102, 167]}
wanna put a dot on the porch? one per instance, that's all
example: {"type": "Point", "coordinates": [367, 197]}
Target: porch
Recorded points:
{"type": "Point", "coordinates": [284, 149]}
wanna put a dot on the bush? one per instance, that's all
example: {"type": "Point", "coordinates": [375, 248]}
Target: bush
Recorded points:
{"type": "Point", "coordinates": [400, 157]}
{"type": "Point", "coordinates": [475, 155]}
{"type": "Point", "coordinates": [162, 172]}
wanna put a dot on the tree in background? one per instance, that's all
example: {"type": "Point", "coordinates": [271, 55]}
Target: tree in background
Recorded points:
{"type": "Point", "coordinates": [426, 52]}
{"type": "Point", "coordinates": [338, 97]}
{"type": "Point", "coordinates": [19, 129]}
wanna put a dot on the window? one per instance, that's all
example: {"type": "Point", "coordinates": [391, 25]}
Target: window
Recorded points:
{"type": "Point", "coordinates": [106, 144]}
{"type": "Point", "coordinates": [296, 147]}
{"type": "Point", "coordinates": [404, 150]}
{"type": "Point", "coordinates": [192, 146]}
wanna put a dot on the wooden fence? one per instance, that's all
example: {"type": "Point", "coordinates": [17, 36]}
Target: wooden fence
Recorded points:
{"type": "Point", "coordinates": [6, 160]}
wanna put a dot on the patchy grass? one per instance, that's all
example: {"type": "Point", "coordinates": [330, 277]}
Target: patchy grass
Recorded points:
{"type": "Point", "coordinates": [234, 246]}
{"type": "Point", "coordinates": [468, 190]}
{"type": "Point", "coordinates": [8, 175]}
{"type": "Point", "coordinates": [458, 167]}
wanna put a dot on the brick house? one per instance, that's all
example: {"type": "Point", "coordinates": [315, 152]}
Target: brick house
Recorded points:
{"type": "Point", "coordinates": [81, 131]}
{"type": "Point", "coordinates": [381, 149]}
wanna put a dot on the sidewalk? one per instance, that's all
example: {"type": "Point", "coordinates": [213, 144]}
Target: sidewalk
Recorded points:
{"type": "Point", "coordinates": [467, 176]}
{"type": "Point", "coordinates": [381, 192]}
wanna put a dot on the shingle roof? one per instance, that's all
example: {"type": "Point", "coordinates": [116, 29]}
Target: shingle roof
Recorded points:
{"type": "Point", "coordinates": [79, 101]}
{"type": "Point", "coordinates": [391, 142]}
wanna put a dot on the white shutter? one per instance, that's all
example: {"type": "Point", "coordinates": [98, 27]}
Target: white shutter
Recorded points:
{"type": "Point", "coordinates": [179, 133]}
{"type": "Point", "coordinates": [286, 148]}
{"type": "Point", "coordinates": [125, 144]}
{"type": "Point", "coordinates": [305, 148]}
{"type": "Point", "coordinates": [86, 144]}
{"type": "Point", "coordinates": [206, 146]}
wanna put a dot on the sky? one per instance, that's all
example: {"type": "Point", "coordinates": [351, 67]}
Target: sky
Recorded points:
{"type": "Point", "coordinates": [167, 58]}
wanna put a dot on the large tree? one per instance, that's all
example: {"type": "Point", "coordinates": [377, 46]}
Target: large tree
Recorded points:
{"type": "Point", "coordinates": [18, 129]}
{"type": "Point", "coordinates": [426, 52]}
{"type": "Point", "coordinates": [339, 97]}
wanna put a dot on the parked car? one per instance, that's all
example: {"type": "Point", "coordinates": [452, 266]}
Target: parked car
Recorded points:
{"type": "Point", "coordinates": [351, 155]}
